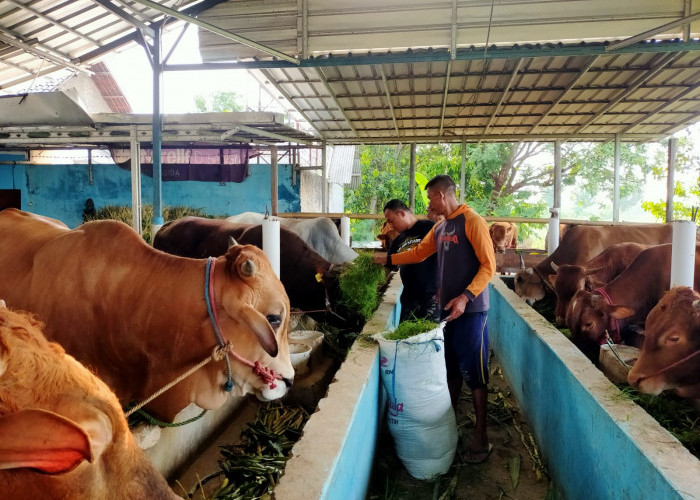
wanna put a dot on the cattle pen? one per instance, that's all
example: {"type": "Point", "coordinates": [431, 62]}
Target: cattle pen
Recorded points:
{"type": "Point", "coordinates": [578, 418]}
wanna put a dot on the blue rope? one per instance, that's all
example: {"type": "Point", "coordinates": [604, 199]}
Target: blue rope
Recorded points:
{"type": "Point", "coordinates": [228, 386]}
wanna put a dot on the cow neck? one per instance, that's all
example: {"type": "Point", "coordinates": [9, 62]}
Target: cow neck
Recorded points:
{"type": "Point", "coordinates": [267, 374]}
{"type": "Point", "coordinates": [613, 322]}
{"type": "Point", "coordinates": [543, 278]}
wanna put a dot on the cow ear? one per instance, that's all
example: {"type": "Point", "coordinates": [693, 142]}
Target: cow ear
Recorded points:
{"type": "Point", "coordinates": [592, 283]}
{"type": "Point", "coordinates": [491, 230]}
{"type": "Point", "coordinates": [593, 270]}
{"type": "Point", "coordinates": [42, 440]}
{"type": "Point", "coordinates": [232, 242]}
{"type": "Point", "coordinates": [620, 312]}
{"type": "Point", "coordinates": [696, 305]}
{"type": "Point", "coordinates": [263, 331]}
{"type": "Point", "coordinates": [552, 278]}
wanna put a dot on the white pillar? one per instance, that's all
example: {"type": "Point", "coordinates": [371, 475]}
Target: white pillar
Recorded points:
{"type": "Point", "coordinates": [345, 229]}
{"type": "Point", "coordinates": [271, 243]}
{"type": "Point", "coordinates": [136, 183]}
{"type": "Point", "coordinates": [683, 253]}
{"type": "Point", "coordinates": [553, 233]}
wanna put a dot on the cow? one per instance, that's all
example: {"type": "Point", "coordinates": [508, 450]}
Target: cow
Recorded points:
{"type": "Point", "coordinates": [140, 317]}
{"type": "Point", "coordinates": [579, 245]}
{"type": "Point", "coordinates": [504, 235]}
{"type": "Point", "coordinates": [624, 303]}
{"type": "Point", "coordinates": [311, 282]}
{"type": "Point", "coordinates": [670, 357]}
{"type": "Point", "coordinates": [598, 271]}
{"type": "Point", "coordinates": [319, 233]}
{"type": "Point", "coordinates": [62, 431]}
{"type": "Point", "coordinates": [387, 234]}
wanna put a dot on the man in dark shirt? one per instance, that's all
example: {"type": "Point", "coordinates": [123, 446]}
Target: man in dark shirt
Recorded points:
{"type": "Point", "coordinates": [419, 280]}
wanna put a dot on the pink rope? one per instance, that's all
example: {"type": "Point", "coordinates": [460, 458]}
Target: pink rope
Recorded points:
{"type": "Point", "coordinates": [617, 336]}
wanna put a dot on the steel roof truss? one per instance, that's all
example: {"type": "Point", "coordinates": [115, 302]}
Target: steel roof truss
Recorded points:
{"type": "Point", "coordinates": [388, 99]}
{"type": "Point", "coordinates": [122, 14]}
{"type": "Point", "coordinates": [330, 91]}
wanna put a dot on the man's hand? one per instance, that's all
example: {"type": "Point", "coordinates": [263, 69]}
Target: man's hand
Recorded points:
{"type": "Point", "coordinates": [456, 306]}
{"type": "Point", "coordinates": [379, 258]}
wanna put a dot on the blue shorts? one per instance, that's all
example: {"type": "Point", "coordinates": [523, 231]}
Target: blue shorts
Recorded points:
{"type": "Point", "coordinates": [467, 349]}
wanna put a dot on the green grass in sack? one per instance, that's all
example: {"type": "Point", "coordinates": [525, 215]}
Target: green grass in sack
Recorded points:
{"type": "Point", "coordinates": [359, 285]}
{"type": "Point", "coordinates": [410, 328]}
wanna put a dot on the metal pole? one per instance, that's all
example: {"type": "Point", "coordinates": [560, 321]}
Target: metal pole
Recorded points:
{"type": "Point", "coordinates": [157, 129]}
{"type": "Point", "coordinates": [670, 179]}
{"type": "Point", "coordinates": [274, 179]}
{"type": "Point", "coordinates": [135, 182]}
{"type": "Point", "coordinates": [412, 180]}
{"type": "Point", "coordinates": [324, 193]}
{"type": "Point", "coordinates": [616, 180]}
{"type": "Point", "coordinates": [462, 173]}
{"type": "Point", "coordinates": [556, 201]}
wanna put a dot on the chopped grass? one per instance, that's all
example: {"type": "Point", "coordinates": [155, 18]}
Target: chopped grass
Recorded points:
{"type": "Point", "coordinates": [410, 328]}
{"type": "Point", "coordinates": [359, 285]}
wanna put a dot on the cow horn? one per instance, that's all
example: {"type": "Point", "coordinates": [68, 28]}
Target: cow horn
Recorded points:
{"type": "Point", "coordinates": [593, 270]}
{"type": "Point", "coordinates": [522, 261]}
{"type": "Point", "coordinates": [696, 305]}
{"type": "Point", "coordinates": [232, 242]}
{"type": "Point", "coordinates": [247, 268]}
{"type": "Point", "coordinates": [554, 266]}
{"type": "Point", "coordinates": [2, 304]}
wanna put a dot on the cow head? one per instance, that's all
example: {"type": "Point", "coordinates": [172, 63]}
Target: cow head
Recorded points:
{"type": "Point", "coordinates": [588, 316]}
{"type": "Point", "coordinates": [529, 286]}
{"type": "Point", "coordinates": [500, 236]}
{"type": "Point", "coordinates": [254, 317]}
{"type": "Point", "coordinates": [62, 430]}
{"type": "Point", "coordinates": [567, 280]}
{"type": "Point", "coordinates": [672, 336]}
{"type": "Point", "coordinates": [387, 234]}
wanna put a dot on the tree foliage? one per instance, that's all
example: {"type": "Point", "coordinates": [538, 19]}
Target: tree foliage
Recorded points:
{"type": "Point", "coordinates": [218, 102]}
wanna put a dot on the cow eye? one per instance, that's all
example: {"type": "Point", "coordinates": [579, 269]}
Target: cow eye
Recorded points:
{"type": "Point", "coordinates": [275, 320]}
{"type": "Point", "coordinates": [672, 339]}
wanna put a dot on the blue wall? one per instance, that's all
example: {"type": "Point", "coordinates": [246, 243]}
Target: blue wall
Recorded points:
{"type": "Point", "coordinates": [60, 191]}
{"type": "Point", "coordinates": [587, 432]}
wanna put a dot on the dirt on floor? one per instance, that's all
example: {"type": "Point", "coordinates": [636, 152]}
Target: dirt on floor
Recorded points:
{"type": "Point", "coordinates": [514, 469]}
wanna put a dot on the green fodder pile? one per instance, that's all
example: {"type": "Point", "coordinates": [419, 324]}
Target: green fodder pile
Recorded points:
{"type": "Point", "coordinates": [123, 213]}
{"type": "Point", "coordinates": [675, 414]}
{"type": "Point", "coordinates": [251, 470]}
{"type": "Point", "coordinates": [359, 285]}
{"type": "Point", "coordinates": [410, 328]}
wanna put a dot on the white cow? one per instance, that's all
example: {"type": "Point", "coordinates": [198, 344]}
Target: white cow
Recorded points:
{"type": "Point", "coordinates": [320, 233]}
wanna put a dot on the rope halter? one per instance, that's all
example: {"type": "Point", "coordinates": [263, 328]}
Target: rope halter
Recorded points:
{"type": "Point", "coordinates": [614, 323]}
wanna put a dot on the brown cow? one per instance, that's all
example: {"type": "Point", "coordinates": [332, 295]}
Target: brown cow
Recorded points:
{"type": "Point", "coordinates": [387, 234]}
{"type": "Point", "coordinates": [579, 245]}
{"type": "Point", "coordinates": [596, 272]}
{"type": "Point", "coordinates": [504, 235]}
{"type": "Point", "coordinates": [62, 431]}
{"type": "Point", "coordinates": [670, 357]}
{"type": "Point", "coordinates": [138, 316]}
{"type": "Point", "coordinates": [624, 302]}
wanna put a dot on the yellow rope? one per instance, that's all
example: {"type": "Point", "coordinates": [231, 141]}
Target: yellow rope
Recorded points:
{"type": "Point", "coordinates": [217, 355]}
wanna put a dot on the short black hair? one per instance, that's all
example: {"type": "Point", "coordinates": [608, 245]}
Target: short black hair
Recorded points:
{"type": "Point", "coordinates": [395, 205]}
{"type": "Point", "coordinates": [442, 182]}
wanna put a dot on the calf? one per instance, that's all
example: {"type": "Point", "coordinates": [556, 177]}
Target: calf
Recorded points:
{"type": "Point", "coordinates": [670, 357]}
{"type": "Point", "coordinates": [62, 431]}
{"type": "Point", "coordinates": [579, 245]}
{"type": "Point", "coordinates": [387, 234]}
{"type": "Point", "coordinates": [598, 271]}
{"type": "Point", "coordinates": [624, 302]}
{"type": "Point", "coordinates": [504, 235]}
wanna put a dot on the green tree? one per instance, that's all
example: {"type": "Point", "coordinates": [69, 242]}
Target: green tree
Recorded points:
{"type": "Point", "coordinates": [218, 101]}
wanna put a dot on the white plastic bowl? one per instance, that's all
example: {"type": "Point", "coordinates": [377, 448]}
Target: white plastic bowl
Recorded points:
{"type": "Point", "coordinates": [299, 352]}
{"type": "Point", "coordinates": [312, 337]}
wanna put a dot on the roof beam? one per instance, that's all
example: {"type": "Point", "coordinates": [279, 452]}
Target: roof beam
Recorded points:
{"type": "Point", "coordinates": [268, 76]}
{"type": "Point", "coordinates": [430, 139]}
{"type": "Point", "coordinates": [584, 69]}
{"type": "Point", "coordinates": [43, 53]}
{"type": "Point", "coordinates": [270, 135]}
{"type": "Point", "coordinates": [444, 96]}
{"type": "Point", "coordinates": [654, 31]}
{"type": "Point", "coordinates": [218, 31]}
{"type": "Point", "coordinates": [388, 98]}
{"type": "Point", "coordinates": [122, 14]}
{"type": "Point", "coordinates": [641, 79]}
{"type": "Point", "coordinates": [46, 18]}
{"type": "Point", "coordinates": [328, 88]}
{"type": "Point", "coordinates": [662, 106]}
{"type": "Point", "coordinates": [504, 94]}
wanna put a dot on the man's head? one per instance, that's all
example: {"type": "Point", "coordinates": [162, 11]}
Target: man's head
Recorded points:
{"type": "Point", "coordinates": [441, 193]}
{"type": "Point", "coordinates": [398, 215]}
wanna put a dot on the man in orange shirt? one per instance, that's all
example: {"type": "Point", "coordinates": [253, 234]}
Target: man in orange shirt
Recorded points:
{"type": "Point", "coordinates": [466, 263]}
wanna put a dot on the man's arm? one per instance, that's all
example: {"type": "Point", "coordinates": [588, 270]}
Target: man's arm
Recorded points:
{"type": "Point", "coordinates": [422, 251]}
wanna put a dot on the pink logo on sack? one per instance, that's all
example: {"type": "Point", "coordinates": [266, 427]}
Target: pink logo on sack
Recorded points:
{"type": "Point", "coordinates": [395, 408]}
{"type": "Point", "coordinates": [383, 361]}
